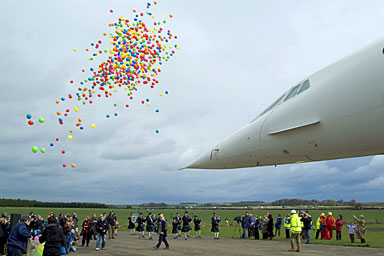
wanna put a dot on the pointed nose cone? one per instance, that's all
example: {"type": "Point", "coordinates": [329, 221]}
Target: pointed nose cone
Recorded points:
{"type": "Point", "coordinates": [206, 161]}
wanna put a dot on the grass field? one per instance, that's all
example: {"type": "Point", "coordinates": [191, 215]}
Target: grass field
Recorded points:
{"type": "Point", "coordinates": [374, 218]}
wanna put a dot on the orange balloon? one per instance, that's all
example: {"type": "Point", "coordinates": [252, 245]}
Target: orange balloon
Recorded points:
{"type": "Point", "coordinates": [58, 113]}
{"type": "Point", "coordinates": [70, 131]}
{"type": "Point", "coordinates": [79, 119]}
{"type": "Point", "coordinates": [73, 165]}
{"type": "Point", "coordinates": [57, 102]}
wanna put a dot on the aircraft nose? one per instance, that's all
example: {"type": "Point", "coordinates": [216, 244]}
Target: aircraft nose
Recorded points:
{"type": "Point", "coordinates": [207, 161]}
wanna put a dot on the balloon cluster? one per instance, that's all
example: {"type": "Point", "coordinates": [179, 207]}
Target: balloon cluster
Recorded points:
{"type": "Point", "coordinates": [133, 61]}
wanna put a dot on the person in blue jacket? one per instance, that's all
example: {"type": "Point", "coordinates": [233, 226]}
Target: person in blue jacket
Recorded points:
{"type": "Point", "coordinates": [18, 238]}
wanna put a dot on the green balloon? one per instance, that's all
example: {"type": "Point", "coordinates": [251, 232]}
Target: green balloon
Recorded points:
{"type": "Point", "coordinates": [41, 120]}
{"type": "Point", "coordinates": [35, 149]}
{"type": "Point", "coordinates": [42, 150]}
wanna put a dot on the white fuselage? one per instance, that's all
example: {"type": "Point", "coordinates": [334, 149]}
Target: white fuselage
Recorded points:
{"type": "Point", "coordinates": [340, 115]}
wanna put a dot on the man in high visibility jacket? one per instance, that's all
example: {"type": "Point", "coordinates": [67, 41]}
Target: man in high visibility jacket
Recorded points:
{"type": "Point", "coordinates": [329, 224]}
{"type": "Point", "coordinates": [317, 227]}
{"type": "Point", "coordinates": [322, 225]}
{"type": "Point", "coordinates": [287, 225]}
{"type": "Point", "coordinates": [295, 231]}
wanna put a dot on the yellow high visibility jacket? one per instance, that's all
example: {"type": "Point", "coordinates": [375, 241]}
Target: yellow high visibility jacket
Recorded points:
{"type": "Point", "coordinates": [287, 222]}
{"type": "Point", "coordinates": [295, 224]}
{"type": "Point", "coordinates": [318, 223]}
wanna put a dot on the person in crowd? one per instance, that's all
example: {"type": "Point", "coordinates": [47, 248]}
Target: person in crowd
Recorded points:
{"type": "Point", "coordinates": [360, 228]}
{"type": "Point", "coordinates": [111, 219]}
{"type": "Point", "coordinates": [131, 223]}
{"type": "Point", "coordinates": [251, 225]}
{"type": "Point", "coordinates": [186, 229]}
{"type": "Point", "coordinates": [4, 232]}
{"type": "Point", "coordinates": [150, 225]}
{"type": "Point", "coordinates": [101, 228]}
{"type": "Point", "coordinates": [18, 238]}
{"type": "Point", "coordinates": [178, 227]}
{"type": "Point", "coordinates": [287, 225]}
{"type": "Point", "coordinates": [257, 227]}
{"type": "Point", "coordinates": [322, 226]}
{"type": "Point", "coordinates": [270, 226]}
{"type": "Point", "coordinates": [86, 231]}
{"type": "Point", "coordinates": [244, 225]}
{"type": "Point", "coordinates": [351, 231]}
{"type": "Point", "coordinates": [162, 227]}
{"type": "Point", "coordinates": [317, 227]}
{"type": "Point", "coordinates": [93, 221]}
{"type": "Point", "coordinates": [140, 225]}
{"type": "Point", "coordinates": [61, 220]}
{"type": "Point", "coordinates": [339, 226]}
{"type": "Point", "coordinates": [295, 231]}
{"type": "Point", "coordinates": [75, 221]}
{"type": "Point", "coordinates": [197, 225]}
{"type": "Point", "coordinates": [175, 225]}
{"type": "Point", "coordinates": [265, 227]}
{"type": "Point", "coordinates": [307, 225]}
{"type": "Point", "coordinates": [215, 221]}
{"type": "Point", "coordinates": [329, 224]}
{"type": "Point", "coordinates": [53, 237]}
{"type": "Point", "coordinates": [278, 223]}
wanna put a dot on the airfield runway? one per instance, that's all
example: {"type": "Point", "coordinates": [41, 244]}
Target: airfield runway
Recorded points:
{"type": "Point", "coordinates": [127, 245]}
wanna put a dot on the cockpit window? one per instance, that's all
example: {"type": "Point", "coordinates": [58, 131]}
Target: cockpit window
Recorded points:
{"type": "Point", "coordinates": [304, 87]}
{"type": "Point", "coordinates": [293, 92]}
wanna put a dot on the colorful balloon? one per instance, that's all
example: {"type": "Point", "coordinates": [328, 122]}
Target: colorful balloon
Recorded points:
{"type": "Point", "coordinates": [30, 122]}
{"type": "Point", "coordinates": [42, 150]}
{"type": "Point", "coordinates": [69, 137]}
{"type": "Point", "coordinates": [35, 149]}
{"type": "Point", "coordinates": [29, 116]}
{"type": "Point", "coordinates": [41, 120]}
{"type": "Point", "coordinates": [93, 125]}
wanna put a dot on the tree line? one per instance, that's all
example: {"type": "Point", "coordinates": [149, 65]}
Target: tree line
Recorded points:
{"type": "Point", "coordinates": [33, 203]}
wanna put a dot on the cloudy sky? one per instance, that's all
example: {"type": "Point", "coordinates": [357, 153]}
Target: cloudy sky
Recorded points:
{"type": "Point", "coordinates": [235, 58]}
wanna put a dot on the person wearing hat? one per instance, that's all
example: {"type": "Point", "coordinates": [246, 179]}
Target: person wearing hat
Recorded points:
{"type": "Point", "coordinates": [360, 228]}
{"type": "Point", "coordinates": [322, 225]}
{"type": "Point", "coordinates": [215, 226]}
{"type": "Point", "coordinates": [287, 225]}
{"type": "Point", "coordinates": [295, 231]}
{"type": "Point", "coordinates": [329, 224]}
{"type": "Point", "coordinates": [18, 238]}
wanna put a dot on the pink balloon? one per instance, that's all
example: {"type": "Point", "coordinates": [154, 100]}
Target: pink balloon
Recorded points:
{"type": "Point", "coordinates": [64, 165]}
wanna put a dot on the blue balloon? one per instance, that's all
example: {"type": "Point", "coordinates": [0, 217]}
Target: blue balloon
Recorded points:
{"type": "Point", "coordinates": [29, 116]}
{"type": "Point", "coordinates": [157, 111]}
{"type": "Point", "coordinates": [60, 120]}
{"type": "Point", "coordinates": [166, 92]}
{"type": "Point", "coordinates": [147, 100]}
{"type": "Point", "coordinates": [62, 99]}
{"type": "Point", "coordinates": [107, 116]}
{"type": "Point", "coordinates": [51, 144]}
{"type": "Point", "coordinates": [81, 127]}
{"type": "Point", "coordinates": [157, 131]}
{"type": "Point", "coordinates": [115, 114]}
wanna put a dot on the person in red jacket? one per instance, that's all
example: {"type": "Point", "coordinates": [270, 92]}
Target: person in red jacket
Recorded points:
{"type": "Point", "coordinates": [339, 226]}
{"type": "Point", "coordinates": [329, 224]}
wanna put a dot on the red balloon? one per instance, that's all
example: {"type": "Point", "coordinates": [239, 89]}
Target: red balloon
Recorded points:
{"type": "Point", "coordinates": [62, 151]}
{"type": "Point", "coordinates": [30, 122]}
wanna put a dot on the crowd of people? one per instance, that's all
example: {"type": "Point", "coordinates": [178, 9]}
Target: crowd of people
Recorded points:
{"type": "Point", "coordinates": [61, 233]}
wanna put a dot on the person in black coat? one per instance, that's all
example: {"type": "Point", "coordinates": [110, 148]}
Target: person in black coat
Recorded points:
{"type": "Point", "coordinates": [140, 225]}
{"type": "Point", "coordinates": [53, 237]}
{"type": "Point", "coordinates": [215, 226]}
{"type": "Point", "coordinates": [270, 226]}
{"type": "Point", "coordinates": [4, 232]}
{"type": "Point", "coordinates": [186, 225]}
{"type": "Point", "coordinates": [162, 232]}
{"type": "Point", "coordinates": [102, 228]}
{"type": "Point", "coordinates": [150, 225]}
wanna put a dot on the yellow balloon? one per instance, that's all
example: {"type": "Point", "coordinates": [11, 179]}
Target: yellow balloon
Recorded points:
{"type": "Point", "coordinates": [74, 49]}
{"type": "Point", "coordinates": [161, 94]}
{"type": "Point", "coordinates": [148, 104]}
{"type": "Point", "coordinates": [93, 125]}
{"type": "Point", "coordinates": [69, 137]}
{"type": "Point", "coordinates": [76, 109]}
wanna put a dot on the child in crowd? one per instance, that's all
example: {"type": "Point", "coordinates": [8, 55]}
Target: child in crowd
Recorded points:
{"type": "Point", "coordinates": [351, 231]}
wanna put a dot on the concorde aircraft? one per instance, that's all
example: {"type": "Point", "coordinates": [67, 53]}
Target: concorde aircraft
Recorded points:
{"type": "Point", "coordinates": [335, 113]}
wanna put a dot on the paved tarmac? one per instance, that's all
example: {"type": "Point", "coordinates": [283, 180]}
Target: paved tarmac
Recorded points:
{"type": "Point", "coordinates": [125, 245]}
